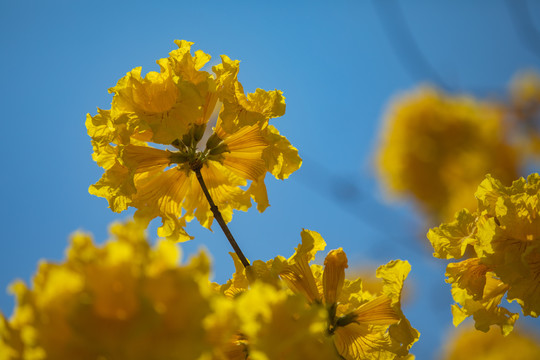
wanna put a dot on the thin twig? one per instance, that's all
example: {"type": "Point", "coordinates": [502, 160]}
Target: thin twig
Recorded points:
{"type": "Point", "coordinates": [219, 217]}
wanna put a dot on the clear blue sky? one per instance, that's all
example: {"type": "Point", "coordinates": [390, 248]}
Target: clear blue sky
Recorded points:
{"type": "Point", "coordinates": [338, 68]}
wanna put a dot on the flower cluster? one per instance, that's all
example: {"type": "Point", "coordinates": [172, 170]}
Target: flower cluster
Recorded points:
{"type": "Point", "coordinates": [362, 324]}
{"type": "Point", "coordinates": [436, 147]}
{"type": "Point", "coordinates": [474, 345]}
{"type": "Point", "coordinates": [501, 245]}
{"type": "Point", "coordinates": [164, 128]}
{"type": "Point", "coordinates": [126, 300]}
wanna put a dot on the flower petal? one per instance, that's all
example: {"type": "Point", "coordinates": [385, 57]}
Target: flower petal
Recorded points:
{"type": "Point", "coordinates": [335, 264]}
{"type": "Point", "coordinates": [280, 156]}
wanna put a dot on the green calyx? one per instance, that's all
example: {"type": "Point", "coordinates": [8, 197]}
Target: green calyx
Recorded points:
{"type": "Point", "coordinates": [346, 320]}
{"type": "Point", "coordinates": [334, 321]}
{"type": "Point", "coordinates": [188, 153]}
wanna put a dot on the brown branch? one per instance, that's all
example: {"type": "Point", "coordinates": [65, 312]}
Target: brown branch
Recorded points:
{"type": "Point", "coordinates": [219, 217]}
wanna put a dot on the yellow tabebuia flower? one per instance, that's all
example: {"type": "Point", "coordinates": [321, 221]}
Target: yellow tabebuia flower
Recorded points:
{"type": "Point", "coordinates": [274, 323]}
{"type": "Point", "coordinates": [123, 300]}
{"type": "Point", "coordinates": [502, 239]}
{"type": "Point", "coordinates": [167, 125]}
{"type": "Point", "coordinates": [362, 325]}
{"type": "Point", "coordinates": [474, 345]}
{"type": "Point", "coordinates": [436, 147]}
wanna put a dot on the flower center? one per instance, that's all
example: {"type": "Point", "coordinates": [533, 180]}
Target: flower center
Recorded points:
{"type": "Point", "coordinates": [192, 153]}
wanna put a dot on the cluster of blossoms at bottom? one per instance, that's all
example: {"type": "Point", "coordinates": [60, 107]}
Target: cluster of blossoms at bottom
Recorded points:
{"type": "Point", "coordinates": [501, 245]}
{"type": "Point", "coordinates": [127, 300]}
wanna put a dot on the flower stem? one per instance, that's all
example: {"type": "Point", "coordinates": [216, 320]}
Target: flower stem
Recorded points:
{"type": "Point", "coordinates": [219, 217]}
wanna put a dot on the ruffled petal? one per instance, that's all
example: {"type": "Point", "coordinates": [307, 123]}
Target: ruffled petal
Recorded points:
{"type": "Point", "coordinates": [280, 156]}
{"type": "Point", "coordinates": [451, 240]}
{"type": "Point", "coordinates": [239, 282]}
{"type": "Point", "coordinates": [296, 271]}
{"type": "Point", "coordinates": [257, 191]}
{"type": "Point", "coordinates": [486, 311]}
{"type": "Point", "coordinates": [155, 93]}
{"type": "Point", "coordinates": [161, 194]}
{"type": "Point", "coordinates": [238, 109]}
{"type": "Point", "coordinates": [402, 334]}
{"type": "Point", "coordinates": [116, 186]}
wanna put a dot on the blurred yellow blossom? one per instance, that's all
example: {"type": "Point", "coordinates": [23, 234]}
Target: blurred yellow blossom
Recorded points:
{"type": "Point", "coordinates": [209, 124]}
{"type": "Point", "coordinates": [279, 325]}
{"type": "Point", "coordinates": [123, 300]}
{"type": "Point", "coordinates": [435, 147]}
{"type": "Point", "coordinates": [474, 345]}
{"type": "Point", "coordinates": [503, 238]}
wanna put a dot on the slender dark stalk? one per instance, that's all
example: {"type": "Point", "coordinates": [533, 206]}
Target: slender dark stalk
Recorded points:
{"type": "Point", "coordinates": [219, 218]}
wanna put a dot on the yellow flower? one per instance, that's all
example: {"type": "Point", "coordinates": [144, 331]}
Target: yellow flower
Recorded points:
{"type": "Point", "coordinates": [223, 331]}
{"type": "Point", "coordinates": [208, 124]}
{"type": "Point", "coordinates": [123, 300]}
{"type": "Point", "coordinates": [435, 147]}
{"type": "Point", "coordinates": [503, 238]}
{"type": "Point", "coordinates": [474, 345]}
{"type": "Point", "coordinates": [362, 325]}
{"type": "Point", "coordinates": [478, 293]}
{"type": "Point", "coordinates": [279, 325]}
{"type": "Point", "coordinates": [271, 322]}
